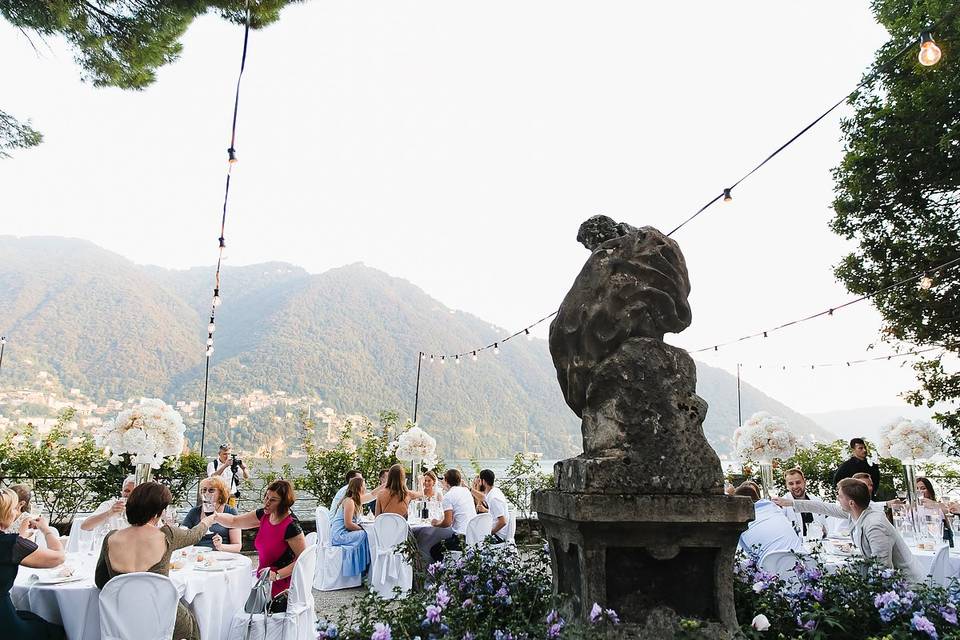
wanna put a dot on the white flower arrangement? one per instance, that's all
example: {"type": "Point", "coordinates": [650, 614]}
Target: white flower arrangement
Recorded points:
{"type": "Point", "coordinates": [415, 444]}
{"type": "Point", "coordinates": [764, 437]}
{"type": "Point", "coordinates": [910, 440]}
{"type": "Point", "coordinates": [148, 432]}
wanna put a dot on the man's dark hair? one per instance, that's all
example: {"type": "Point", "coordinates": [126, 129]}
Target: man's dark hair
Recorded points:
{"type": "Point", "coordinates": [353, 473]}
{"type": "Point", "coordinates": [747, 491]}
{"type": "Point", "coordinates": [146, 502]}
{"type": "Point", "coordinates": [857, 441]}
{"type": "Point", "coordinates": [856, 490]}
{"type": "Point", "coordinates": [488, 477]}
{"type": "Point", "coordinates": [452, 477]}
{"type": "Point", "coordinates": [383, 472]}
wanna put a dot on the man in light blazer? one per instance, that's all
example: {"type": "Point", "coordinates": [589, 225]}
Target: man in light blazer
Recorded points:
{"type": "Point", "coordinates": [872, 532]}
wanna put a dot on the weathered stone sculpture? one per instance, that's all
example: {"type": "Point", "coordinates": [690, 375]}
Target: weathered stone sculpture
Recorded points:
{"type": "Point", "coordinates": [639, 521]}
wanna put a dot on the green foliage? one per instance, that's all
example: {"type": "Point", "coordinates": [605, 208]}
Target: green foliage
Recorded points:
{"type": "Point", "coordinates": [524, 477]}
{"type": "Point", "coordinates": [363, 448]}
{"type": "Point", "coordinates": [897, 194]}
{"type": "Point", "coordinates": [489, 593]}
{"type": "Point", "coordinates": [118, 43]}
{"type": "Point", "coordinates": [16, 135]}
{"type": "Point", "coordinates": [841, 604]}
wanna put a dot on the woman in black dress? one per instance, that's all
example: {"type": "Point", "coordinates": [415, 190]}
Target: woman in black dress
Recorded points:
{"type": "Point", "coordinates": [16, 550]}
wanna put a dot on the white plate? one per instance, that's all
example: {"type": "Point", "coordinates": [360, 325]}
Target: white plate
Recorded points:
{"type": "Point", "coordinates": [216, 566]}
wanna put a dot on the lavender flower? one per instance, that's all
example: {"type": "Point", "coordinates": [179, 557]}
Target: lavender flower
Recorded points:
{"type": "Point", "coordinates": [468, 636]}
{"type": "Point", "coordinates": [553, 616]}
{"type": "Point", "coordinates": [612, 616]}
{"type": "Point", "coordinates": [433, 613]}
{"type": "Point", "coordinates": [920, 623]}
{"type": "Point", "coordinates": [443, 597]}
{"type": "Point", "coordinates": [433, 568]}
{"type": "Point", "coordinates": [948, 613]}
{"type": "Point", "coordinates": [381, 631]}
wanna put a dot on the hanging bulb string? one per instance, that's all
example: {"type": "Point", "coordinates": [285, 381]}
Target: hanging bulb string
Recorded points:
{"type": "Point", "coordinates": [221, 240]}
{"type": "Point", "coordinates": [492, 345]}
{"type": "Point", "coordinates": [830, 311]}
{"type": "Point", "coordinates": [809, 366]}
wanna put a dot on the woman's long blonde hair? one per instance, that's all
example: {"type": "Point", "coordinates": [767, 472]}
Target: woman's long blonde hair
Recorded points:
{"type": "Point", "coordinates": [354, 492]}
{"type": "Point", "coordinates": [8, 503]}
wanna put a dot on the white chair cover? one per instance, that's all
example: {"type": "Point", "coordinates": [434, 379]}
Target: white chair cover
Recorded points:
{"type": "Point", "coordinates": [478, 528]}
{"type": "Point", "coordinates": [330, 559]}
{"type": "Point", "coordinates": [783, 564]}
{"type": "Point", "coordinates": [323, 532]}
{"type": "Point", "coordinates": [299, 621]}
{"type": "Point", "coordinates": [124, 614]}
{"type": "Point", "coordinates": [79, 540]}
{"type": "Point", "coordinates": [388, 568]}
{"type": "Point", "coordinates": [940, 567]}
{"type": "Point", "coordinates": [312, 538]}
{"type": "Point", "coordinates": [512, 529]}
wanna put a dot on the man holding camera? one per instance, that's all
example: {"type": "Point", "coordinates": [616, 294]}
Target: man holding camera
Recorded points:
{"type": "Point", "coordinates": [231, 469]}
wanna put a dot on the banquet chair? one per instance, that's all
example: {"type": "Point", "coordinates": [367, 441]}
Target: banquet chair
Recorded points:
{"type": "Point", "coordinates": [511, 538]}
{"type": "Point", "coordinates": [78, 540]}
{"type": "Point", "coordinates": [388, 567]}
{"type": "Point", "coordinates": [329, 571]}
{"type": "Point", "coordinates": [939, 573]}
{"type": "Point", "coordinates": [298, 622]}
{"type": "Point", "coordinates": [783, 564]}
{"type": "Point", "coordinates": [478, 529]}
{"type": "Point", "coordinates": [123, 614]}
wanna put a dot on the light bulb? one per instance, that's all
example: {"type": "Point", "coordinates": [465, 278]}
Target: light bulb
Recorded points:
{"type": "Point", "coordinates": [496, 348]}
{"type": "Point", "coordinates": [3, 339]}
{"type": "Point", "coordinates": [443, 359]}
{"type": "Point", "coordinates": [232, 155]}
{"type": "Point", "coordinates": [929, 51]}
{"type": "Point", "coordinates": [216, 297]}
{"type": "Point", "coordinates": [726, 195]}
{"type": "Point", "coordinates": [529, 335]}
{"type": "Point", "coordinates": [926, 282]}
{"type": "Point", "coordinates": [211, 327]}
{"type": "Point", "coordinates": [474, 356]}
{"type": "Point", "coordinates": [431, 358]}
{"type": "Point", "coordinates": [423, 356]}
{"type": "Point", "coordinates": [210, 341]}
{"type": "Point", "coordinates": [458, 359]}
{"type": "Point", "coordinates": [209, 352]}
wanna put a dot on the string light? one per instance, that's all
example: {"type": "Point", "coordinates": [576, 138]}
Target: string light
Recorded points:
{"type": "Point", "coordinates": [474, 356]}
{"type": "Point", "coordinates": [458, 360]}
{"type": "Point", "coordinates": [496, 348]}
{"type": "Point", "coordinates": [216, 298]}
{"type": "Point", "coordinates": [209, 341]}
{"type": "Point", "coordinates": [212, 326]}
{"type": "Point", "coordinates": [423, 356]}
{"type": "Point", "coordinates": [529, 335]}
{"type": "Point", "coordinates": [443, 359]}
{"type": "Point", "coordinates": [232, 155]}
{"type": "Point", "coordinates": [209, 351]}
{"type": "Point", "coordinates": [929, 51]}
{"type": "Point", "coordinates": [431, 358]}
{"type": "Point", "coordinates": [726, 196]}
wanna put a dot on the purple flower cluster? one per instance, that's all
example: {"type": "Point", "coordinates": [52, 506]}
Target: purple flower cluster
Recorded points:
{"type": "Point", "coordinates": [921, 623]}
{"type": "Point", "coordinates": [598, 614]}
{"type": "Point", "coordinates": [381, 631]}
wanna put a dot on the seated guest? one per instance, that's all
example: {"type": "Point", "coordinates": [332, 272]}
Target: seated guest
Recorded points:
{"type": "Point", "coordinates": [346, 533]}
{"type": "Point", "coordinates": [279, 541]}
{"type": "Point", "coordinates": [867, 479]}
{"type": "Point", "coordinates": [490, 499]}
{"type": "Point", "coordinates": [797, 486]}
{"type": "Point", "coordinates": [24, 497]}
{"type": "Point", "coordinates": [769, 530]}
{"type": "Point", "coordinates": [144, 546]}
{"type": "Point", "coordinates": [214, 497]}
{"type": "Point", "coordinates": [111, 513]}
{"type": "Point", "coordinates": [342, 491]}
{"type": "Point", "coordinates": [430, 489]}
{"type": "Point", "coordinates": [458, 508]}
{"type": "Point", "coordinates": [395, 497]}
{"type": "Point", "coordinates": [928, 498]}
{"type": "Point", "coordinates": [17, 549]}
{"type": "Point", "coordinates": [370, 500]}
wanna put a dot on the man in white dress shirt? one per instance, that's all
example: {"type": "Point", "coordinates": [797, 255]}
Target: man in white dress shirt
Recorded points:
{"type": "Point", "coordinates": [769, 530]}
{"type": "Point", "coordinates": [797, 485]}
{"type": "Point", "coordinates": [112, 513]}
{"type": "Point", "coordinates": [491, 499]}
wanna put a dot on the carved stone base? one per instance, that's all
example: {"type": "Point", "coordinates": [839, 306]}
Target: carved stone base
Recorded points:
{"type": "Point", "coordinates": [652, 558]}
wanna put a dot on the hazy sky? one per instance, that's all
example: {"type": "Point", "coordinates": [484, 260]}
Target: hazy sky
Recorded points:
{"type": "Point", "coordinates": [459, 145]}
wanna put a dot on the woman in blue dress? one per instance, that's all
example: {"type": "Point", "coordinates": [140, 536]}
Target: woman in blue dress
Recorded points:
{"type": "Point", "coordinates": [346, 533]}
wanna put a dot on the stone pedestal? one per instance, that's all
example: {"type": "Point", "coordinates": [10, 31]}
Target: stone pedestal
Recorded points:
{"type": "Point", "coordinates": [652, 558]}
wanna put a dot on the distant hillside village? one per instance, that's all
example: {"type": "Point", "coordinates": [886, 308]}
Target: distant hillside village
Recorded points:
{"type": "Point", "coordinates": [41, 402]}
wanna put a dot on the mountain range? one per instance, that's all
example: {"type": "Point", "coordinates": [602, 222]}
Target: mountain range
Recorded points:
{"type": "Point", "coordinates": [350, 337]}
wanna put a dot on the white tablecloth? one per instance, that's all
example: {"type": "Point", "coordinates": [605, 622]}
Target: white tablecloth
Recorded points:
{"type": "Point", "coordinates": [212, 596]}
{"type": "Point", "coordinates": [426, 534]}
{"type": "Point", "coordinates": [923, 556]}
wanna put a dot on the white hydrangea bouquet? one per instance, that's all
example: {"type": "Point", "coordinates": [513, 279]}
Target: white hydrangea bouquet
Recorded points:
{"type": "Point", "coordinates": [415, 444]}
{"type": "Point", "coordinates": [148, 433]}
{"type": "Point", "coordinates": [910, 440]}
{"type": "Point", "coordinates": [764, 437]}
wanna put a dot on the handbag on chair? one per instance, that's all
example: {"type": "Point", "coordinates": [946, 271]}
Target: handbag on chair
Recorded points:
{"type": "Point", "coordinates": [259, 601]}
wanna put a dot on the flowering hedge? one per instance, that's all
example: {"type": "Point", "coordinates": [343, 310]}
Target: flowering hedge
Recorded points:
{"type": "Point", "coordinates": [859, 600]}
{"type": "Point", "coordinates": [488, 592]}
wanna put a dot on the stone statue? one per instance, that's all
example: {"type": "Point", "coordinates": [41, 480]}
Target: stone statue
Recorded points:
{"type": "Point", "coordinates": [635, 394]}
{"type": "Point", "coordinates": [637, 522]}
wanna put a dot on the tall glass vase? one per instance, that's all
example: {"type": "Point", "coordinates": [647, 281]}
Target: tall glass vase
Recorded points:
{"type": "Point", "coordinates": [417, 478]}
{"type": "Point", "coordinates": [143, 473]}
{"type": "Point", "coordinates": [912, 507]}
{"type": "Point", "coordinates": [766, 478]}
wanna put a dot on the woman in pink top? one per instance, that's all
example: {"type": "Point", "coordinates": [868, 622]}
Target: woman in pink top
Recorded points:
{"type": "Point", "coordinates": [279, 541]}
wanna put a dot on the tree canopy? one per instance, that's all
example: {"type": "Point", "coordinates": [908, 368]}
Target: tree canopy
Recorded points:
{"type": "Point", "coordinates": [898, 191]}
{"type": "Point", "coordinates": [118, 43]}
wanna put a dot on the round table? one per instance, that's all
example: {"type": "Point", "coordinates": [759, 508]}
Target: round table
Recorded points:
{"type": "Point", "coordinates": [924, 557]}
{"type": "Point", "coordinates": [212, 596]}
